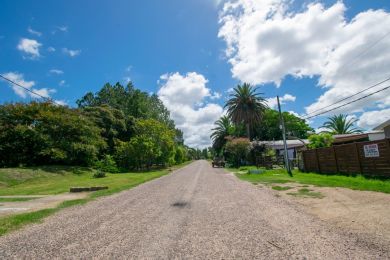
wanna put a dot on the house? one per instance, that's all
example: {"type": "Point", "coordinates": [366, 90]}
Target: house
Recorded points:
{"type": "Point", "coordinates": [385, 127]}
{"type": "Point", "coordinates": [293, 146]}
{"type": "Point", "coordinates": [360, 137]}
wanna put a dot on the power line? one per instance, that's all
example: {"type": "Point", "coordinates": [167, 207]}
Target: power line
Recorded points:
{"type": "Point", "coordinates": [29, 90]}
{"type": "Point", "coordinates": [343, 105]}
{"type": "Point", "coordinates": [352, 61]}
{"type": "Point", "coordinates": [357, 93]}
{"type": "Point", "coordinates": [364, 51]}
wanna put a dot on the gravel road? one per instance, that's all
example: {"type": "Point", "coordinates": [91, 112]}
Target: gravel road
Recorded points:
{"type": "Point", "coordinates": [195, 212]}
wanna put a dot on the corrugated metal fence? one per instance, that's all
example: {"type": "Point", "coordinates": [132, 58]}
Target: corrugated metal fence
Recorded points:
{"type": "Point", "coordinates": [367, 158]}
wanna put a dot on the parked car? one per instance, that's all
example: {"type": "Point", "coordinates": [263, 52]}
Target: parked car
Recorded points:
{"type": "Point", "coordinates": [218, 162]}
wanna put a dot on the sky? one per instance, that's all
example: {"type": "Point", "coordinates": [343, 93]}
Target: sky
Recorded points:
{"type": "Point", "coordinates": [193, 52]}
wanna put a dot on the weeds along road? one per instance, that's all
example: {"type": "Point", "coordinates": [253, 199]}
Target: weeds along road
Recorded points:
{"type": "Point", "coordinates": [195, 212]}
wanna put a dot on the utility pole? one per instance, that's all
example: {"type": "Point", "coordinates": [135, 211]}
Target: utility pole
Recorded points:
{"type": "Point", "coordinates": [286, 160]}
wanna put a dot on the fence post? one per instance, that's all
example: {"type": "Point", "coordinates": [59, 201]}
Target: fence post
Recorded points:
{"type": "Point", "coordinates": [335, 159]}
{"type": "Point", "coordinates": [358, 158]}
{"type": "Point", "coordinates": [318, 161]}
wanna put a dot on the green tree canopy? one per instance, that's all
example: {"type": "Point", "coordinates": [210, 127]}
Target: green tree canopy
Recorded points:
{"type": "Point", "coordinates": [340, 124]}
{"type": "Point", "coordinates": [269, 128]}
{"type": "Point", "coordinates": [246, 106]}
{"type": "Point", "coordinates": [43, 133]}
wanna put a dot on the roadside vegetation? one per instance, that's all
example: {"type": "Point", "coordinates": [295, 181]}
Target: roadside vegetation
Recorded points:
{"type": "Point", "coordinates": [106, 131]}
{"type": "Point", "coordinates": [279, 176]}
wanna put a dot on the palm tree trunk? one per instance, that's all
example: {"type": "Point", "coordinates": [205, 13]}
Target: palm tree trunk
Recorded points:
{"type": "Point", "coordinates": [248, 131]}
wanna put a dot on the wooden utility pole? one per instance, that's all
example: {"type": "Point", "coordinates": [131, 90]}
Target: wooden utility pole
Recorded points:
{"type": "Point", "coordinates": [286, 160]}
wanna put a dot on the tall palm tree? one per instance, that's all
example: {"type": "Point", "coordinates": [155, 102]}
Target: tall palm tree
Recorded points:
{"type": "Point", "coordinates": [339, 124]}
{"type": "Point", "coordinates": [220, 132]}
{"type": "Point", "coordinates": [246, 106]}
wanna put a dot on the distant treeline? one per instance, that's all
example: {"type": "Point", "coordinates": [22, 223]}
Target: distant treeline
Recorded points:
{"type": "Point", "coordinates": [116, 128]}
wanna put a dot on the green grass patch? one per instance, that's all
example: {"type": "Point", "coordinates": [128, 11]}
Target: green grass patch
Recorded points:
{"type": "Point", "coordinates": [19, 199]}
{"type": "Point", "coordinates": [46, 180]}
{"type": "Point", "coordinates": [306, 193]}
{"type": "Point", "coordinates": [352, 182]}
{"type": "Point", "coordinates": [281, 188]}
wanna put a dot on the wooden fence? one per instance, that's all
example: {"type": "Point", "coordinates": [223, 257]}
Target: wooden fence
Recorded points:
{"type": "Point", "coordinates": [367, 158]}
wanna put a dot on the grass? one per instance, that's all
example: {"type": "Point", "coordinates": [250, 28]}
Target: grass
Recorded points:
{"type": "Point", "coordinates": [280, 176]}
{"type": "Point", "coordinates": [58, 179]}
{"type": "Point", "coordinates": [306, 193]}
{"type": "Point", "coordinates": [281, 188]}
{"type": "Point", "coordinates": [17, 199]}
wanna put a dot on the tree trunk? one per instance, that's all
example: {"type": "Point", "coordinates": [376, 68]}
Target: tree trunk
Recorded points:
{"type": "Point", "coordinates": [248, 131]}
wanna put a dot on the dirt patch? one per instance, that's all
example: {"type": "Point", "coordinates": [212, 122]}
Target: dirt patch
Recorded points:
{"type": "Point", "coordinates": [37, 202]}
{"type": "Point", "coordinates": [361, 211]}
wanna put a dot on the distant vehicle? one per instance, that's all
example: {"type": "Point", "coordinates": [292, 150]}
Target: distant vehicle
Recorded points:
{"type": "Point", "coordinates": [218, 162]}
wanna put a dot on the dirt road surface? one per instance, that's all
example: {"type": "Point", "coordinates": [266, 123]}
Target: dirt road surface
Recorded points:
{"type": "Point", "coordinates": [195, 212]}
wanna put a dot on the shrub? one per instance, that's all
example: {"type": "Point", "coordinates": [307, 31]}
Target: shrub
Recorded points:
{"type": "Point", "coordinates": [320, 140]}
{"type": "Point", "coordinates": [107, 164]}
{"type": "Point", "coordinates": [237, 151]}
{"type": "Point", "coordinates": [99, 174]}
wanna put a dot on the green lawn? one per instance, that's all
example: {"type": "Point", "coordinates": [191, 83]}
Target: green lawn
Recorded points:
{"type": "Point", "coordinates": [17, 199]}
{"type": "Point", "coordinates": [280, 176]}
{"type": "Point", "coordinates": [58, 179]}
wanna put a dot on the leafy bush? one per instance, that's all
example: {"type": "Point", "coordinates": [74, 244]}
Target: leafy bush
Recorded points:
{"type": "Point", "coordinates": [237, 150]}
{"type": "Point", "coordinates": [107, 164]}
{"type": "Point", "coordinates": [320, 140]}
{"type": "Point", "coordinates": [99, 174]}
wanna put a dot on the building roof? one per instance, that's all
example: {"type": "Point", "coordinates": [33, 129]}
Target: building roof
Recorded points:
{"type": "Point", "coordinates": [349, 137]}
{"type": "Point", "coordinates": [382, 126]}
{"type": "Point", "coordinates": [278, 144]}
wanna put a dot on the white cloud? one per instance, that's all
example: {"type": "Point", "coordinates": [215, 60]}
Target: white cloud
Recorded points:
{"type": "Point", "coordinates": [23, 93]}
{"type": "Point", "coordinates": [30, 30]}
{"type": "Point", "coordinates": [182, 95]}
{"type": "Point", "coordinates": [273, 102]}
{"type": "Point", "coordinates": [61, 83]}
{"type": "Point", "coordinates": [266, 41]}
{"type": "Point", "coordinates": [372, 119]}
{"type": "Point", "coordinates": [61, 102]}
{"type": "Point", "coordinates": [56, 71]}
{"type": "Point", "coordinates": [30, 47]}
{"type": "Point", "coordinates": [51, 49]}
{"type": "Point", "coordinates": [215, 95]}
{"type": "Point", "coordinates": [60, 28]}
{"type": "Point", "coordinates": [71, 53]}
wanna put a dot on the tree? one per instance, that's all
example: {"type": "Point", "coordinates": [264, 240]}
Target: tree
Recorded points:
{"type": "Point", "coordinates": [340, 124]}
{"type": "Point", "coordinates": [223, 129]}
{"type": "Point", "coordinates": [153, 143]}
{"type": "Point", "coordinates": [112, 122]}
{"type": "Point", "coordinates": [237, 150]}
{"type": "Point", "coordinates": [320, 140]}
{"type": "Point", "coordinates": [269, 128]}
{"type": "Point", "coordinates": [43, 133]}
{"type": "Point", "coordinates": [246, 106]}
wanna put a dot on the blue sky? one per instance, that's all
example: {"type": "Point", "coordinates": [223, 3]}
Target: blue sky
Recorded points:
{"type": "Point", "coordinates": [80, 45]}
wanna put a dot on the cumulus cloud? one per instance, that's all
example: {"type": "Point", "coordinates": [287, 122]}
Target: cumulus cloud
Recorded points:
{"type": "Point", "coordinates": [23, 93]}
{"type": "Point", "coordinates": [374, 118]}
{"type": "Point", "coordinates": [71, 53]}
{"type": "Point", "coordinates": [273, 102]}
{"type": "Point", "coordinates": [185, 97]}
{"type": "Point", "coordinates": [51, 49]}
{"type": "Point", "coordinates": [267, 40]}
{"type": "Point", "coordinates": [61, 83]}
{"type": "Point", "coordinates": [29, 47]}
